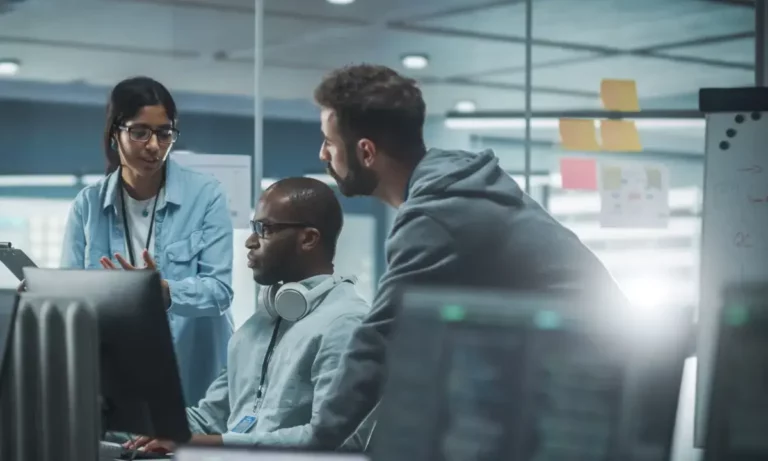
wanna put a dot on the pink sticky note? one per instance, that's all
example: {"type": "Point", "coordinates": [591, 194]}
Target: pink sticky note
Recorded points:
{"type": "Point", "coordinates": [579, 173]}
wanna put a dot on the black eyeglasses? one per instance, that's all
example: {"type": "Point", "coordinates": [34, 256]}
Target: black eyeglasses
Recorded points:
{"type": "Point", "coordinates": [143, 133]}
{"type": "Point", "coordinates": [264, 229]}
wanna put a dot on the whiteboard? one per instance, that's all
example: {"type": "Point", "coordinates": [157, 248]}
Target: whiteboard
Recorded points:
{"type": "Point", "coordinates": [356, 253]}
{"type": "Point", "coordinates": [734, 240]}
{"type": "Point", "coordinates": [234, 174]}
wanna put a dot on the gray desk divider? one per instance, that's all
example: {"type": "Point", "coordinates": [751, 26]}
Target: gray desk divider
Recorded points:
{"type": "Point", "coordinates": [50, 405]}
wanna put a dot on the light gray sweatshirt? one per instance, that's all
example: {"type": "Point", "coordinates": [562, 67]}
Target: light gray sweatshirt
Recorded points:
{"type": "Point", "coordinates": [304, 359]}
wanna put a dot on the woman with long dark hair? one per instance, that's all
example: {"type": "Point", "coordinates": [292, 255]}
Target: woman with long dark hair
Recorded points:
{"type": "Point", "coordinates": [149, 212]}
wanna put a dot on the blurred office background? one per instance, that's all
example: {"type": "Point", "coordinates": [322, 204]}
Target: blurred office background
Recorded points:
{"type": "Point", "coordinates": [59, 58]}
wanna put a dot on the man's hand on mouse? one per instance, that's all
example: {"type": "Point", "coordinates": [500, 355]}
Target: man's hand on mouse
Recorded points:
{"type": "Point", "coordinates": [144, 443]}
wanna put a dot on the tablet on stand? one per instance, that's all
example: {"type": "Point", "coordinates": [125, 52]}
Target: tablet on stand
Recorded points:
{"type": "Point", "coordinates": [15, 259]}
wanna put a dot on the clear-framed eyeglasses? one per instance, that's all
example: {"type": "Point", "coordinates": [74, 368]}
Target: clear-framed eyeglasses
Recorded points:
{"type": "Point", "coordinates": [143, 133]}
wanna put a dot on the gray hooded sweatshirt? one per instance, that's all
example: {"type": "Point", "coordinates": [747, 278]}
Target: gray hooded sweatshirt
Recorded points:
{"type": "Point", "coordinates": [464, 222]}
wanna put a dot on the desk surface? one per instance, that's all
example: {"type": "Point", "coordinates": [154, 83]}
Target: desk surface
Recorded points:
{"type": "Point", "coordinates": [118, 459]}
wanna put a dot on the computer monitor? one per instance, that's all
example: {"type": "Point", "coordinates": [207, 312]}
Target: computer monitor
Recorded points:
{"type": "Point", "coordinates": [8, 302]}
{"type": "Point", "coordinates": [140, 387]}
{"type": "Point", "coordinates": [738, 405]}
{"type": "Point", "coordinates": [8, 305]}
{"type": "Point", "coordinates": [489, 376]}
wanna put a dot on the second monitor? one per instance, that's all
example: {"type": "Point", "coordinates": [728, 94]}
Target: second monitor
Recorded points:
{"type": "Point", "coordinates": [488, 376]}
{"type": "Point", "coordinates": [140, 385]}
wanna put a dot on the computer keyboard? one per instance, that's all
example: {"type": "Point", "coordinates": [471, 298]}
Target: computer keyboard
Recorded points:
{"type": "Point", "coordinates": [110, 451]}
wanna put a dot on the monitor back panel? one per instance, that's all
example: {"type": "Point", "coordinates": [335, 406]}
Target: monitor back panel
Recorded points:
{"type": "Point", "coordinates": [738, 415]}
{"type": "Point", "coordinates": [7, 317]}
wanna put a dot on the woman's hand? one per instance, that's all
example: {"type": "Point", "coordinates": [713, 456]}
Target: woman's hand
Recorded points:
{"type": "Point", "coordinates": [148, 261]}
{"type": "Point", "coordinates": [149, 264]}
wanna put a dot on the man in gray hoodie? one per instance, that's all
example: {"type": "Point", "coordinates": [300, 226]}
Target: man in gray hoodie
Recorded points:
{"type": "Point", "coordinates": [281, 361]}
{"type": "Point", "coordinates": [461, 221]}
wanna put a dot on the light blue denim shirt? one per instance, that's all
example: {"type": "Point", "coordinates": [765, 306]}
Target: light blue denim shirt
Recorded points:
{"type": "Point", "coordinates": [193, 251]}
{"type": "Point", "coordinates": [305, 359]}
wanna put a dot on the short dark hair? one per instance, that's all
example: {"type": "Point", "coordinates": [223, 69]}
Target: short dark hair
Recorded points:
{"type": "Point", "coordinates": [125, 101]}
{"type": "Point", "coordinates": [376, 103]}
{"type": "Point", "coordinates": [313, 202]}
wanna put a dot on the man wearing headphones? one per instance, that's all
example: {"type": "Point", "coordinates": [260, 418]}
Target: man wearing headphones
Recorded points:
{"type": "Point", "coordinates": [281, 361]}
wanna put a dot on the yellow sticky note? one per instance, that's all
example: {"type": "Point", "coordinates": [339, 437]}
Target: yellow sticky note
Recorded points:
{"type": "Point", "coordinates": [619, 95]}
{"type": "Point", "coordinates": [578, 134]}
{"type": "Point", "coordinates": [620, 136]}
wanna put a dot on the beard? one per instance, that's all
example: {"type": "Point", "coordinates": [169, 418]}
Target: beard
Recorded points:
{"type": "Point", "coordinates": [265, 278]}
{"type": "Point", "coordinates": [360, 181]}
{"type": "Point", "coordinates": [277, 265]}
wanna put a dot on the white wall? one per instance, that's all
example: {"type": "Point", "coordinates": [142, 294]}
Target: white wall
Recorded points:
{"type": "Point", "coordinates": [356, 252]}
{"type": "Point", "coordinates": [438, 136]}
{"type": "Point", "coordinates": [244, 302]}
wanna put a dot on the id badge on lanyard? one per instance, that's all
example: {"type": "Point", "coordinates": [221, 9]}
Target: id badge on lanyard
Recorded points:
{"type": "Point", "coordinates": [244, 425]}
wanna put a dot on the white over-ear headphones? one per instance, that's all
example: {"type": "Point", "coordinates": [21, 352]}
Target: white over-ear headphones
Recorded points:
{"type": "Point", "coordinates": [294, 301]}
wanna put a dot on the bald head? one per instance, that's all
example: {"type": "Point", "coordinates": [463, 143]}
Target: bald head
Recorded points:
{"type": "Point", "coordinates": [310, 201]}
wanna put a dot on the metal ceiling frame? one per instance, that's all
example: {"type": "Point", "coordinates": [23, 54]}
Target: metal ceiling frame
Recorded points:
{"type": "Point", "coordinates": [602, 51]}
{"type": "Point", "coordinates": [693, 157]}
{"type": "Point", "coordinates": [341, 25]}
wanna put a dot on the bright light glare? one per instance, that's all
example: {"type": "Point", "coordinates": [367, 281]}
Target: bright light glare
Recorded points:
{"type": "Point", "coordinates": [648, 292]}
{"type": "Point", "coordinates": [465, 107]}
{"type": "Point", "coordinates": [37, 180]}
{"type": "Point", "coordinates": [9, 68]}
{"type": "Point", "coordinates": [340, 2]}
{"type": "Point", "coordinates": [415, 61]}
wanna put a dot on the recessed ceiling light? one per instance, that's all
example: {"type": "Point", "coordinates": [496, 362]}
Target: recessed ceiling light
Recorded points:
{"type": "Point", "coordinates": [415, 61]}
{"type": "Point", "coordinates": [465, 107]}
{"type": "Point", "coordinates": [9, 67]}
{"type": "Point", "coordinates": [340, 2]}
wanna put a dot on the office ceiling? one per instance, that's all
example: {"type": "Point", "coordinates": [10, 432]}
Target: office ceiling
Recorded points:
{"type": "Point", "coordinates": [476, 47]}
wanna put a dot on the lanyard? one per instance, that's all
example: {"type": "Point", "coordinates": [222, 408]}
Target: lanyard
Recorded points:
{"type": "Point", "coordinates": [129, 243]}
{"type": "Point", "coordinates": [267, 359]}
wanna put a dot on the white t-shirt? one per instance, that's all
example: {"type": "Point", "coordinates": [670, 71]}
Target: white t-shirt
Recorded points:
{"type": "Point", "coordinates": [139, 219]}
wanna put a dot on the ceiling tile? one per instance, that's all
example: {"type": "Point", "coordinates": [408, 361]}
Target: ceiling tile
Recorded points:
{"type": "Point", "coordinates": [309, 37]}
{"type": "Point", "coordinates": [449, 56]}
{"type": "Point", "coordinates": [369, 11]}
{"type": "Point", "coordinates": [737, 51]}
{"type": "Point", "coordinates": [279, 30]}
{"type": "Point", "coordinates": [441, 98]}
{"type": "Point", "coordinates": [654, 77]}
{"type": "Point", "coordinates": [131, 25]}
{"type": "Point", "coordinates": [41, 63]}
{"type": "Point", "coordinates": [624, 24]}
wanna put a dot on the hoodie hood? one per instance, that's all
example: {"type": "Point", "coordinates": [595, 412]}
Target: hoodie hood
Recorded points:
{"type": "Point", "coordinates": [463, 174]}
